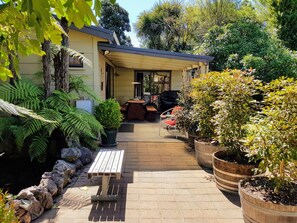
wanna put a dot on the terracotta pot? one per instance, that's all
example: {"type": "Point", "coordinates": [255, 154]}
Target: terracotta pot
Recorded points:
{"type": "Point", "coordinates": [228, 174]}
{"type": "Point", "coordinates": [204, 151]}
{"type": "Point", "coordinates": [256, 210]}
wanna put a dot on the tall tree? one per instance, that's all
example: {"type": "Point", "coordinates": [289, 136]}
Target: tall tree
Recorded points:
{"type": "Point", "coordinates": [286, 20]}
{"type": "Point", "coordinates": [116, 18]}
{"type": "Point", "coordinates": [245, 44]}
{"type": "Point", "coordinates": [164, 27]}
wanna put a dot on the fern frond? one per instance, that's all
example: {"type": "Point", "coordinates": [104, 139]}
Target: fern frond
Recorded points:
{"type": "Point", "coordinates": [74, 125]}
{"type": "Point", "coordinates": [34, 125]}
{"type": "Point", "coordinates": [89, 143]}
{"type": "Point", "coordinates": [5, 123]}
{"type": "Point", "coordinates": [19, 111]}
{"type": "Point", "coordinates": [23, 93]}
{"type": "Point", "coordinates": [78, 85]}
{"type": "Point", "coordinates": [94, 124]}
{"type": "Point", "coordinates": [5, 92]}
{"type": "Point", "coordinates": [60, 100]}
{"type": "Point", "coordinates": [38, 147]}
{"type": "Point", "coordinates": [19, 135]}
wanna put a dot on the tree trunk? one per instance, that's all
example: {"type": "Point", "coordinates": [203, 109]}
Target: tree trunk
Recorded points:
{"type": "Point", "coordinates": [46, 67]}
{"type": "Point", "coordinates": [64, 84]}
{"type": "Point", "coordinates": [12, 68]}
{"type": "Point", "coordinates": [57, 72]}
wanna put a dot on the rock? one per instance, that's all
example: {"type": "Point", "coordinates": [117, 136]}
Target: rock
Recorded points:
{"type": "Point", "coordinates": [30, 203]}
{"type": "Point", "coordinates": [21, 213]}
{"type": "Point", "coordinates": [63, 166]}
{"type": "Point", "coordinates": [44, 197]}
{"type": "Point", "coordinates": [50, 185]}
{"type": "Point", "coordinates": [86, 155]}
{"type": "Point", "coordinates": [70, 154]}
{"type": "Point", "coordinates": [40, 193]}
{"type": "Point", "coordinates": [71, 142]}
{"type": "Point", "coordinates": [78, 164]}
{"type": "Point", "coordinates": [60, 179]}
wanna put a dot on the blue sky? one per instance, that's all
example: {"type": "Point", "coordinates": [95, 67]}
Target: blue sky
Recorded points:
{"type": "Point", "coordinates": [134, 8]}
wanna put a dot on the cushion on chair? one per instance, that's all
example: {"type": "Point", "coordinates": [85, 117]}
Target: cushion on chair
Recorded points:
{"type": "Point", "coordinates": [170, 122]}
{"type": "Point", "coordinates": [176, 109]}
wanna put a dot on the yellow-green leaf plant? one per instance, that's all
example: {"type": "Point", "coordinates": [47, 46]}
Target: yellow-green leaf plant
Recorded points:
{"type": "Point", "coordinates": [272, 134]}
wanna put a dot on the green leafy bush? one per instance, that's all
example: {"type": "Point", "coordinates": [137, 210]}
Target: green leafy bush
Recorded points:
{"type": "Point", "coordinates": [272, 134]}
{"type": "Point", "coordinates": [7, 214]}
{"type": "Point", "coordinates": [205, 90]}
{"type": "Point", "coordinates": [108, 113]}
{"type": "Point", "coordinates": [233, 109]}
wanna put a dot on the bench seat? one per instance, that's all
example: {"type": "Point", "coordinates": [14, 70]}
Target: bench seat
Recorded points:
{"type": "Point", "coordinates": [108, 163]}
{"type": "Point", "coordinates": [150, 113]}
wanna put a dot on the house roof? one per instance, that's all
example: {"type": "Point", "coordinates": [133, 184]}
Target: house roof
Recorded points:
{"type": "Point", "coordinates": [99, 32]}
{"type": "Point", "coordinates": [149, 59]}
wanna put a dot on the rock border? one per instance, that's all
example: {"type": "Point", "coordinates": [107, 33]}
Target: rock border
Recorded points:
{"type": "Point", "coordinates": [31, 202]}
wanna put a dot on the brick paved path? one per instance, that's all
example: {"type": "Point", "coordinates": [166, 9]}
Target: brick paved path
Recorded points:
{"type": "Point", "coordinates": [161, 183]}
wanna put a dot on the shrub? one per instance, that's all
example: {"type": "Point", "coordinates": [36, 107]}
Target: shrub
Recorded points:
{"type": "Point", "coordinates": [233, 109]}
{"type": "Point", "coordinates": [7, 213]}
{"type": "Point", "coordinates": [272, 134]}
{"type": "Point", "coordinates": [108, 113]}
{"type": "Point", "coordinates": [204, 93]}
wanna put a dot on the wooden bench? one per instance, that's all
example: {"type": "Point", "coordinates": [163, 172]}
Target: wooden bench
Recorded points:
{"type": "Point", "coordinates": [150, 113]}
{"type": "Point", "coordinates": [108, 163]}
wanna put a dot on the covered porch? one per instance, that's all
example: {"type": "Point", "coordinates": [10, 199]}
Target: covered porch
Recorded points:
{"type": "Point", "coordinates": [145, 73]}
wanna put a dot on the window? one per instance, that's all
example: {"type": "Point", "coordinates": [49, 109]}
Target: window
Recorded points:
{"type": "Point", "coordinates": [75, 62]}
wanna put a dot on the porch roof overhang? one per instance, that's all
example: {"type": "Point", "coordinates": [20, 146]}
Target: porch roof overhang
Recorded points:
{"type": "Point", "coordinates": [148, 59]}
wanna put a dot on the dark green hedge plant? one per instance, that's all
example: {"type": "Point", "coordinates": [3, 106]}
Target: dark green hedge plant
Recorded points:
{"type": "Point", "coordinates": [108, 113]}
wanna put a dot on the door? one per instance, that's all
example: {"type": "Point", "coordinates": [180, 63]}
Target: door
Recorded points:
{"type": "Point", "coordinates": [109, 75]}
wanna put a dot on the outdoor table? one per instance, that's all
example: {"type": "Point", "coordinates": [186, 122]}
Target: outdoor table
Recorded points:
{"type": "Point", "coordinates": [135, 110]}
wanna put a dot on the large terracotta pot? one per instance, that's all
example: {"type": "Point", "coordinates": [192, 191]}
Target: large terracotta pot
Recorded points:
{"type": "Point", "coordinates": [204, 151]}
{"type": "Point", "coordinates": [228, 174]}
{"type": "Point", "coordinates": [256, 210]}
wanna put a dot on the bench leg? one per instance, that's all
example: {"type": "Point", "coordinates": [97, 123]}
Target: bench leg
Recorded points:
{"type": "Point", "coordinates": [104, 196]}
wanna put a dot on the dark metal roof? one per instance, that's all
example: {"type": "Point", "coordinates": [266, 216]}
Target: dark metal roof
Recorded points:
{"type": "Point", "coordinates": [98, 31]}
{"type": "Point", "coordinates": [154, 53]}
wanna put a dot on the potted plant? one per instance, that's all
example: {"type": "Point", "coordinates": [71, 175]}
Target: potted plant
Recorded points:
{"type": "Point", "coordinates": [184, 117]}
{"type": "Point", "coordinates": [272, 139]}
{"type": "Point", "coordinates": [204, 92]}
{"type": "Point", "coordinates": [233, 109]}
{"type": "Point", "coordinates": [108, 113]}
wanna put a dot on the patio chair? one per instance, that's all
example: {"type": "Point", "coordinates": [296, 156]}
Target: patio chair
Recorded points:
{"type": "Point", "coordinates": [168, 121]}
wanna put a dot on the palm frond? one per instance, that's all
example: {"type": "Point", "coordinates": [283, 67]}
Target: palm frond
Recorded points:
{"type": "Point", "coordinates": [20, 111]}
{"type": "Point", "coordinates": [55, 49]}
{"type": "Point", "coordinates": [38, 147]}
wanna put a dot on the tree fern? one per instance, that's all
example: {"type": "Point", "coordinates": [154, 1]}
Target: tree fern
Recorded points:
{"type": "Point", "coordinates": [38, 147]}
{"type": "Point", "coordinates": [78, 85]}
